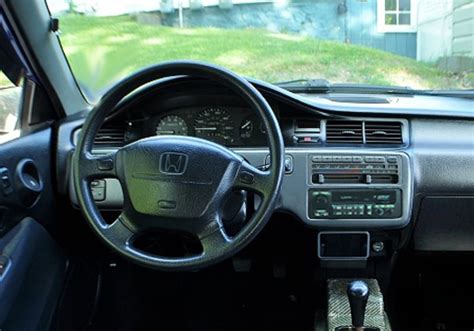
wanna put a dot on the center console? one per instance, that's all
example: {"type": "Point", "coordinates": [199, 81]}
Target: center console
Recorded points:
{"type": "Point", "coordinates": [359, 188]}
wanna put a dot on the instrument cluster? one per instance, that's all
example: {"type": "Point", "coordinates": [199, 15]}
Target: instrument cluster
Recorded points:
{"type": "Point", "coordinates": [228, 126]}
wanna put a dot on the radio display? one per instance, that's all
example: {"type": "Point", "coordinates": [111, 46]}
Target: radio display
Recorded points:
{"type": "Point", "coordinates": [364, 196]}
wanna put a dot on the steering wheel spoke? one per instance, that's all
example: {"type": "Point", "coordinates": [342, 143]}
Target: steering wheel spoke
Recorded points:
{"type": "Point", "coordinates": [214, 239]}
{"type": "Point", "coordinates": [118, 232]}
{"type": "Point", "coordinates": [252, 179]}
{"type": "Point", "coordinates": [99, 166]}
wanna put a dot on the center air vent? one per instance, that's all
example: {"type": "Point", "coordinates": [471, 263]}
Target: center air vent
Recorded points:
{"type": "Point", "coordinates": [344, 132]}
{"type": "Point", "coordinates": [110, 135]}
{"type": "Point", "coordinates": [383, 133]}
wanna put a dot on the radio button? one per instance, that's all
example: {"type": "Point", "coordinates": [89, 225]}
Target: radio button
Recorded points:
{"type": "Point", "coordinates": [321, 179]}
{"type": "Point", "coordinates": [327, 158]}
{"type": "Point", "coordinates": [379, 159]}
{"type": "Point", "coordinates": [357, 159]}
{"type": "Point", "coordinates": [379, 211]}
{"type": "Point", "coordinates": [392, 159]}
{"type": "Point", "coordinates": [316, 158]}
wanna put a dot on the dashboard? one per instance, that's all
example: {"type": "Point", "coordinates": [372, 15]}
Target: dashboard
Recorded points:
{"type": "Point", "coordinates": [350, 164]}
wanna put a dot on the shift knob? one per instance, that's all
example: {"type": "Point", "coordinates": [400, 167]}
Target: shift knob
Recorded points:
{"type": "Point", "coordinates": [358, 293]}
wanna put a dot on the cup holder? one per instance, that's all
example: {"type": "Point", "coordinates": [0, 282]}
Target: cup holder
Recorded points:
{"type": "Point", "coordinates": [28, 182]}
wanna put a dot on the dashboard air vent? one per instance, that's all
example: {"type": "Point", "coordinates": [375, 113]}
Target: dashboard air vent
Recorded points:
{"type": "Point", "coordinates": [383, 133]}
{"type": "Point", "coordinates": [344, 132]}
{"type": "Point", "coordinates": [110, 135]}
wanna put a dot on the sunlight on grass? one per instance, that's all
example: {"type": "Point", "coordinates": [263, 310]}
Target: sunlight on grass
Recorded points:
{"type": "Point", "coordinates": [286, 37]}
{"type": "Point", "coordinates": [102, 50]}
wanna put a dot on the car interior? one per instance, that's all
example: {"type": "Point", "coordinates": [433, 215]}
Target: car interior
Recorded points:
{"type": "Point", "coordinates": [189, 197]}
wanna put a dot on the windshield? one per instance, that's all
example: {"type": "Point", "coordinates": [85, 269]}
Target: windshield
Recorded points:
{"type": "Point", "coordinates": [377, 42]}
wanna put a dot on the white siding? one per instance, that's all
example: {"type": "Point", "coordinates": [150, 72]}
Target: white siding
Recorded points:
{"type": "Point", "coordinates": [463, 28]}
{"type": "Point", "coordinates": [435, 21]}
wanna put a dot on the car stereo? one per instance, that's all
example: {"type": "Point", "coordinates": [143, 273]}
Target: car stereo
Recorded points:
{"type": "Point", "coordinates": [355, 203]}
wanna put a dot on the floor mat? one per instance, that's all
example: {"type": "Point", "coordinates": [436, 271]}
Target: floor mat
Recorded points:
{"type": "Point", "coordinates": [138, 299]}
{"type": "Point", "coordinates": [434, 293]}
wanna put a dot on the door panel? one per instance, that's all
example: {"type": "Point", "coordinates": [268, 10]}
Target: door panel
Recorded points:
{"type": "Point", "coordinates": [34, 275]}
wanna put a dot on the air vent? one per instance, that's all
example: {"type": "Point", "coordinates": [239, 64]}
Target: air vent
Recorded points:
{"type": "Point", "coordinates": [383, 133]}
{"type": "Point", "coordinates": [344, 132]}
{"type": "Point", "coordinates": [110, 135]}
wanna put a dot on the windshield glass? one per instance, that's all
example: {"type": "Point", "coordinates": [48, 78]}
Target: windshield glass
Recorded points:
{"type": "Point", "coordinates": [377, 42]}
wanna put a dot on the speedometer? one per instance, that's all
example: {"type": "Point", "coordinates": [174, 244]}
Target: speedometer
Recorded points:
{"type": "Point", "coordinates": [215, 124]}
{"type": "Point", "coordinates": [172, 125]}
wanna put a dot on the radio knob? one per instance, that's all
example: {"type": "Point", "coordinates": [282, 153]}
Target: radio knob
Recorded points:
{"type": "Point", "coordinates": [321, 200]}
{"type": "Point", "coordinates": [379, 211]}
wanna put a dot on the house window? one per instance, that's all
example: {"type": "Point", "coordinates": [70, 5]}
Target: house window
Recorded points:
{"type": "Point", "coordinates": [396, 15]}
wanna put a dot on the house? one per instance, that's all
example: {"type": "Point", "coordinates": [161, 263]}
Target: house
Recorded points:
{"type": "Point", "coordinates": [446, 33]}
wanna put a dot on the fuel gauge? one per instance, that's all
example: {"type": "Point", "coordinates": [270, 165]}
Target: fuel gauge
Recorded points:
{"type": "Point", "coordinates": [246, 128]}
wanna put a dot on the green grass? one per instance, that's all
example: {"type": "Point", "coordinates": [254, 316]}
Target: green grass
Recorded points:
{"type": "Point", "coordinates": [102, 50]}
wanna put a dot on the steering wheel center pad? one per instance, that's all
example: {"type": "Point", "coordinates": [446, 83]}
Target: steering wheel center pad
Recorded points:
{"type": "Point", "coordinates": [177, 177]}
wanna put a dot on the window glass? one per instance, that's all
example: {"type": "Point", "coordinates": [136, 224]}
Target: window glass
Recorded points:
{"type": "Point", "coordinates": [10, 97]}
{"type": "Point", "coordinates": [404, 19]}
{"type": "Point", "coordinates": [390, 19]}
{"type": "Point", "coordinates": [271, 40]}
{"type": "Point", "coordinates": [404, 5]}
{"type": "Point", "coordinates": [390, 4]}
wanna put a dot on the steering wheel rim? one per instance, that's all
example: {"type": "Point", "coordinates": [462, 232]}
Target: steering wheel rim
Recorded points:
{"type": "Point", "coordinates": [203, 219]}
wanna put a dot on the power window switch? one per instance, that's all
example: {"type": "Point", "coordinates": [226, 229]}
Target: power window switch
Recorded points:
{"type": "Point", "coordinates": [6, 184]}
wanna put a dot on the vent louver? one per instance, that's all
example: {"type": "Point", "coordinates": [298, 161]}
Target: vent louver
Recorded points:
{"type": "Point", "coordinates": [383, 133]}
{"type": "Point", "coordinates": [110, 135]}
{"type": "Point", "coordinates": [344, 132]}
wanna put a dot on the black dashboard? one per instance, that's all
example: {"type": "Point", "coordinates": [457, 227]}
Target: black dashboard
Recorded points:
{"type": "Point", "coordinates": [346, 168]}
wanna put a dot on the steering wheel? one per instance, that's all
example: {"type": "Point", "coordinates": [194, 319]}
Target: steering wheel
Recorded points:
{"type": "Point", "coordinates": [177, 183]}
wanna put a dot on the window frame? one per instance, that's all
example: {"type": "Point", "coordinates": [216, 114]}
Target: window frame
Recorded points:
{"type": "Point", "coordinates": [396, 28]}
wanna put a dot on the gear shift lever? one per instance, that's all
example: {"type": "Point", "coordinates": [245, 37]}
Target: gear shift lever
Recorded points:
{"type": "Point", "coordinates": [358, 293]}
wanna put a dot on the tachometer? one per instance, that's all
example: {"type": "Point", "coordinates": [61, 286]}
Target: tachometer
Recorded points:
{"type": "Point", "coordinates": [172, 125]}
{"type": "Point", "coordinates": [215, 124]}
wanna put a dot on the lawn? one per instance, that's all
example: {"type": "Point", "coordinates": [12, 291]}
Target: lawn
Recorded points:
{"type": "Point", "coordinates": [101, 50]}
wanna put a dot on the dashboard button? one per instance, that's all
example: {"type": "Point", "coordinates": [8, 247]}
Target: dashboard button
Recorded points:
{"type": "Point", "coordinates": [288, 164]}
{"type": "Point", "coordinates": [106, 164]}
{"type": "Point", "coordinates": [246, 177]}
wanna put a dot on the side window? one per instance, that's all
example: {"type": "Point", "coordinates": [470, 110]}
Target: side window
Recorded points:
{"type": "Point", "coordinates": [10, 99]}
